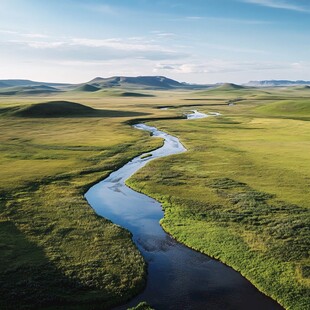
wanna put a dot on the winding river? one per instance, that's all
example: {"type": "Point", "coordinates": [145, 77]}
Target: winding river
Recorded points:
{"type": "Point", "coordinates": [178, 277]}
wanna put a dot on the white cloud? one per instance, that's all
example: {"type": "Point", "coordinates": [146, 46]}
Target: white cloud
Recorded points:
{"type": "Point", "coordinates": [34, 35]}
{"type": "Point", "coordinates": [39, 44]}
{"type": "Point", "coordinates": [8, 31]}
{"type": "Point", "coordinates": [239, 21]}
{"type": "Point", "coordinates": [220, 66]}
{"type": "Point", "coordinates": [234, 49]}
{"type": "Point", "coordinates": [222, 19]}
{"type": "Point", "coordinates": [100, 8]}
{"type": "Point", "coordinates": [163, 34]}
{"type": "Point", "coordinates": [90, 49]}
{"type": "Point", "coordinates": [118, 44]}
{"type": "Point", "coordinates": [280, 4]}
{"type": "Point", "coordinates": [194, 17]}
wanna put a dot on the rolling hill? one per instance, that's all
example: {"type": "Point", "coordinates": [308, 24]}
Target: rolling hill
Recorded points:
{"type": "Point", "coordinates": [54, 109]}
{"type": "Point", "coordinates": [28, 90]}
{"type": "Point", "coordinates": [87, 88]}
{"type": "Point", "coordinates": [229, 87]}
{"type": "Point", "coordinates": [144, 82]}
{"type": "Point", "coordinates": [20, 82]}
{"type": "Point", "coordinates": [2, 84]}
{"type": "Point", "coordinates": [273, 83]}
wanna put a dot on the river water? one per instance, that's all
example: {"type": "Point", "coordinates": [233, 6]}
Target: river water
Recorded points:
{"type": "Point", "coordinates": [178, 277]}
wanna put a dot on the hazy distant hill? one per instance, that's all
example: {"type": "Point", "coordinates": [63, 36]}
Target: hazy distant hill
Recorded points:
{"type": "Point", "coordinates": [27, 90]}
{"type": "Point", "coordinates": [13, 83]}
{"type": "Point", "coordinates": [141, 82]}
{"type": "Point", "coordinates": [272, 83]}
{"type": "Point", "coordinates": [153, 82]}
{"type": "Point", "coordinates": [228, 86]}
{"type": "Point", "coordinates": [2, 84]}
{"type": "Point", "coordinates": [87, 88]}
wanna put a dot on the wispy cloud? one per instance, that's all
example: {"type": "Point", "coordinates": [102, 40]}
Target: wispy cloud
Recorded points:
{"type": "Point", "coordinates": [223, 19]}
{"type": "Point", "coordinates": [222, 66]}
{"type": "Point", "coordinates": [13, 33]}
{"type": "Point", "coordinates": [194, 17]}
{"type": "Point", "coordinates": [44, 44]}
{"type": "Point", "coordinates": [91, 49]}
{"type": "Point", "coordinates": [238, 20]}
{"type": "Point", "coordinates": [280, 4]}
{"type": "Point", "coordinates": [6, 31]}
{"type": "Point", "coordinates": [118, 44]}
{"type": "Point", "coordinates": [234, 49]}
{"type": "Point", "coordinates": [162, 34]}
{"type": "Point", "coordinates": [100, 8]}
{"type": "Point", "coordinates": [34, 35]}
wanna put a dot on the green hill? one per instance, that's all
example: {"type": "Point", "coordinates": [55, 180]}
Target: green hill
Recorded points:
{"type": "Point", "coordinates": [229, 86]}
{"type": "Point", "coordinates": [87, 88]}
{"type": "Point", "coordinates": [140, 82]}
{"type": "Point", "coordinates": [54, 109]}
{"type": "Point", "coordinates": [287, 108]}
{"type": "Point", "coordinates": [304, 87]}
{"type": "Point", "coordinates": [132, 94]}
{"type": "Point", "coordinates": [27, 90]}
{"type": "Point", "coordinates": [63, 109]}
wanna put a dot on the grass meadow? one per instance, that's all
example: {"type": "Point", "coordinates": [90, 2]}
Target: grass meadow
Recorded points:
{"type": "Point", "coordinates": [240, 194]}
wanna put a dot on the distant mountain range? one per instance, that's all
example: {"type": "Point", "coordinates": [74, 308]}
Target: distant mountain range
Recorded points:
{"type": "Point", "coordinates": [273, 83]}
{"type": "Point", "coordinates": [159, 82]}
{"type": "Point", "coordinates": [12, 83]}
{"type": "Point", "coordinates": [13, 87]}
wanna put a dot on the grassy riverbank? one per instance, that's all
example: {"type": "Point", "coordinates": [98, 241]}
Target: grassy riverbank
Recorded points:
{"type": "Point", "coordinates": [55, 252]}
{"type": "Point", "coordinates": [239, 194]}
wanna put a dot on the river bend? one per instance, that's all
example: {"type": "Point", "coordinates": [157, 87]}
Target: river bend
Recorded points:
{"type": "Point", "coordinates": [178, 277]}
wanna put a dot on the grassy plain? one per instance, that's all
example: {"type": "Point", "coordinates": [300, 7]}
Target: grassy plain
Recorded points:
{"type": "Point", "coordinates": [55, 252]}
{"type": "Point", "coordinates": [240, 193]}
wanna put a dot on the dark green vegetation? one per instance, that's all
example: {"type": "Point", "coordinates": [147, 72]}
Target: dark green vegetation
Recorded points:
{"type": "Point", "coordinates": [132, 94]}
{"type": "Point", "coordinates": [55, 252]}
{"type": "Point", "coordinates": [239, 194]}
{"type": "Point", "coordinates": [146, 155]}
{"type": "Point", "coordinates": [27, 90]}
{"type": "Point", "coordinates": [87, 88]}
{"type": "Point", "coordinates": [63, 109]}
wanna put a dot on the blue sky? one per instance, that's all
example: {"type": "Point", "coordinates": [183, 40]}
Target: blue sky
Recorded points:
{"type": "Point", "coordinates": [199, 41]}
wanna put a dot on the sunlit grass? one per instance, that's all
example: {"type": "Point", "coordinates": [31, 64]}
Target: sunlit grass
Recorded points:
{"type": "Point", "coordinates": [239, 194]}
{"type": "Point", "coordinates": [54, 250]}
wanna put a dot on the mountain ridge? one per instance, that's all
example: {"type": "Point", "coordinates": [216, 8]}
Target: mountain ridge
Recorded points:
{"type": "Point", "coordinates": [274, 83]}
{"type": "Point", "coordinates": [142, 82]}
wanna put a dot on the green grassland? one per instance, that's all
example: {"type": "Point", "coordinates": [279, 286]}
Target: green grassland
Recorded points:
{"type": "Point", "coordinates": [239, 194]}
{"type": "Point", "coordinates": [55, 252]}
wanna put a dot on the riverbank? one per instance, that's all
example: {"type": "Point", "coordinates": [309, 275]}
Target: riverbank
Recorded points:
{"type": "Point", "coordinates": [56, 253]}
{"type": "Point", "coordinates": [190, 279]}
{"type": "Point", "coordinates": [215, 207]}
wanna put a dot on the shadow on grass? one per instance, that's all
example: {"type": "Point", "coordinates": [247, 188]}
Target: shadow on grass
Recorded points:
{"type": "Point", "coordinates": [28, 280]}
